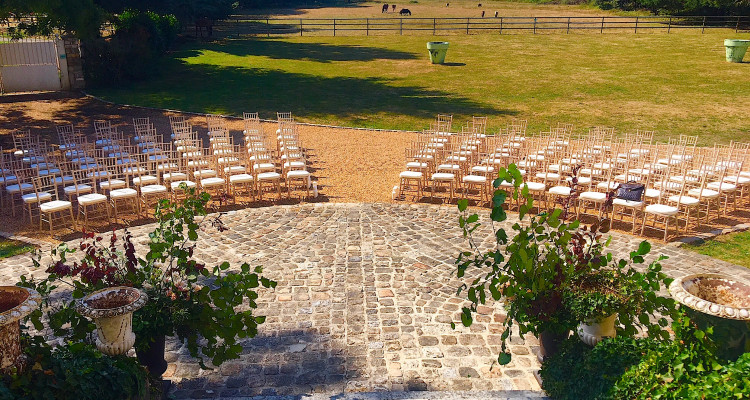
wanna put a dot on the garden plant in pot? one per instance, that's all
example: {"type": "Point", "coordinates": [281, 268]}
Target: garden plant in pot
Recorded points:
{"type": "Point", "coordinates": [209, 309]}
{"type": "Point", "coordinates": [543, 272]}
{"type": "Point", "coordinates": [15, 304]}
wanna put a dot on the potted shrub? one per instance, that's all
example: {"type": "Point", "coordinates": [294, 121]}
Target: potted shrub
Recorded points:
{"type": "Point", "coordinates": [546, 259]}
{"type": "Point", "coordinates": [197, 304]}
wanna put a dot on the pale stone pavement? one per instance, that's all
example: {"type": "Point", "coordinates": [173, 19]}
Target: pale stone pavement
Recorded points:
{"type": "Point", "coordinates": [362, 310]}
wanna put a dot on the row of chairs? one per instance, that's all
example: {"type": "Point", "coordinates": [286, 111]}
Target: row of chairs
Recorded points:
{"type": "Point", "coordinates": [684, 185]}
{"type": "Point", "coordinates": [113, 174]}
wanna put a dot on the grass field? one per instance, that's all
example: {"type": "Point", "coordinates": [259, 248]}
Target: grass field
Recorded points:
{"type": "Point", "coordinates": [734, 248]}
{"type": "Point", "coordinates": [675, 84]}
{"type": "Point", "coordinates": [10, 248]}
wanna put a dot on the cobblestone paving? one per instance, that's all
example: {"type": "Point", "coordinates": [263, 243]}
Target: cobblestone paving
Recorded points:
{"type": "Point", "coordinates": [365, 297]}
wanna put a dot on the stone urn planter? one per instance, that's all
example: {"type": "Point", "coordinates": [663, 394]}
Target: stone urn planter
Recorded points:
{"type": "Point", "coordinates": [549, 343]}
{"type": "Point", "coordinates": [721, 302]}
{"type": "Point", "coordinates": [112, 312]}
{"type": "Point", "coordinates": [592, 332]}
{"type": "Point", "coordinates": [736, 49]}
{"type": "Point", "coordinates": [437, 50]}
{"type": "Point", "coordinates": [15, 303]}
{"type": "Point", "coordinates": [153, 356]}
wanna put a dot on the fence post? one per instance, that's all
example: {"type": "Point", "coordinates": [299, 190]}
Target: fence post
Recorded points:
{"type": "Point", "coordinates": [602, 29]}
{"type": "Point", "coordinates": [268, 28]}
{"type": "Point", "coordinates": [703, 28]}
{"type": "Point", "coordinates": [401, 27]}
{"type": "Point", "coordinates": [367, 21]}
{"type": "Point", "coordinates": [467, 26]}
{"type": "Point", "coordinates": [434, 26]}
{"type": "Point", "coordinates": [501, 25]}
{"type": "Point", "coordinates": [669, 28]}
{"type": "Point", "coordinates": [568, 25]}
{"type": "Point", "coordinates": [300, 26]}
{"type": "Point", "coordinates": [535, 25]}
{"type": "Point", "coordinates": [636, 25]}
{"type": "Point", "coordinates": [737, 28]}
{"type": "Point", "coordinates": [334, 27]}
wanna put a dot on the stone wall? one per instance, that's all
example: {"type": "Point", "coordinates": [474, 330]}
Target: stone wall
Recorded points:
{"type": "Point", "coordinates": [75, 64]}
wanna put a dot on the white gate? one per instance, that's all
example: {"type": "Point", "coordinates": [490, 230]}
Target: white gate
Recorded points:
{"type": "Point", "coordinates": [29, 64]}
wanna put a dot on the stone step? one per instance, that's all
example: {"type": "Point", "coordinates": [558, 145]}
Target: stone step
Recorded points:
{"type": "Point", "coordinates": [418, 395]}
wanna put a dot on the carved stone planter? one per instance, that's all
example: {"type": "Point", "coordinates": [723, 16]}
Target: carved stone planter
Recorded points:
{"type": "Point", "coordinates": [593, 332]}
{"type": "Point", "coordinates": [112, 311]}
{"type": "Point", "coordinates": [15, 303]}
{"type": "Point", "coordinates": [721, 302]}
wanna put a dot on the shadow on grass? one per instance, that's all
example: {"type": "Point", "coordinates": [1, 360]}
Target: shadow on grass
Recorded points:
{"type": "Point", "coordinates": [319, 52]}
{"type": "Point", "coordinates": [232, 90]}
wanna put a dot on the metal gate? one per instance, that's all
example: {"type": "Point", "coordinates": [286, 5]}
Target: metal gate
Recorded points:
{"type": "Point", "coordinates": [29, 64]}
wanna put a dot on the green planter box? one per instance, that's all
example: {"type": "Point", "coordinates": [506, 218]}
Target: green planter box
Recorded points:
{"type": "Point", "coordinates": [437, 50]}
{"type": "Point", "coordinates": [736, 49]}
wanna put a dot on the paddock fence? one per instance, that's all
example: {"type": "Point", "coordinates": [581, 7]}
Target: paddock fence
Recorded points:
{"type": "Point", "coordinates": [237, 26]}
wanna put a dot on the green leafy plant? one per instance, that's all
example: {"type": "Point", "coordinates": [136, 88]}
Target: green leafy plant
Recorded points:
{"type": "Point", "coordinates": [547, 258]}
{"type": "Point", "coordinates": [208, 308]}
{"type": "Point", "coordinates": [74, 371]}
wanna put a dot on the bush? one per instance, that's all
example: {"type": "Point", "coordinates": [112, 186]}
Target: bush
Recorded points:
{"type": "Point", "coordinates": [75, 372]}
{"type": "Point", "coordinates": [132, 52]}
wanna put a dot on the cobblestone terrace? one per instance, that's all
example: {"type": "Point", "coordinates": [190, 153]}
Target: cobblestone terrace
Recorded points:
{"type": "Point", "coordinates": [364, 299]}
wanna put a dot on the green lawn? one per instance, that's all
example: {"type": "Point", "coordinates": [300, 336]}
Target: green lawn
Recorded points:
{"type": "Point", "coordinates": [675, 83]}
{"type": "Point", "coordinates": [734, 248]}
{"type": "Point", "coordinates": [10, 248]}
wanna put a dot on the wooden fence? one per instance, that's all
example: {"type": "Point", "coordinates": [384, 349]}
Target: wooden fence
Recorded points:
{"type": "Point", "coordinates": [242, 25]}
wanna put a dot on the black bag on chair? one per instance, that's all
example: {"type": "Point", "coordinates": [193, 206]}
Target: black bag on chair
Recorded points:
{"type": "Point", "coordinates": [631, 191]}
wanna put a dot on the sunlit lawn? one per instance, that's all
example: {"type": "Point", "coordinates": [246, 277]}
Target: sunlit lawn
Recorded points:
{"type": "Point", "coordinates": [734, 248]}
{"type": "Point", "coordinates": [10, 248]}
{"type": "Point", "coordinates": [675, 83]}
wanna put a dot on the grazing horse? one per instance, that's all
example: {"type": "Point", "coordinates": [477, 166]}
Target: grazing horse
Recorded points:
{"type": "Point", "coordinates": [394, 7]}
{"type": "Point", "coordinates": [385, 9]}
{"type": "Point", "coordinates": [405, 11]}
{"type": "Point", "coordinates": [482, 14]}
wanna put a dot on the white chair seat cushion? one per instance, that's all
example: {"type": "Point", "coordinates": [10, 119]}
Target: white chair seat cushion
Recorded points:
{"type": "Point", "coordinates": [134, 170]}
{"type": "Point", "coordinates": [298, 174]}
{"type": "Point", "coordinates": [549, 175]}
{"type": "Point", "coordinates": [737, 180]}
{"type": "Point", "coordinates": [607, 185]}
{"type": "Point", "coordinates": [685, 200]}
{"type": "Point", "coordinates": [63, 180]}
{"type": "Point", "coordinates": [176, 184]}
{"type": "Point", "coordinates": [269, 176]}
{"type": "Point", "coordinates": [627, 203]}
{"type": "Point", "coordinates": [55, 205]}
{"type": "Point", "coordinates": [112, 184]}
{"type": "Point", "coordinates": [23, 187]}
{"type": "Point", "coordinates": [211, 182]}
{"type": "Point", "coordinates": [145, 180]}
{"type": "Point", "coordinates": [175, 176]}
{"type": "Point", "coordinates": [204, 173]}
{"type": "Point", "coordinates": [81, 189]}
{"type": "Point", "coordinates": [416, 165]}
{"type": "Point", "coordinates": [91, 198]}
{"type": "Point", "coordinates": [125, 193]}
{"type": "Point", "coordinates": [238, 169]}
{"type": "Point", "coordinates": [153, 189]}
{"type": "Point", "coordinates": [240, 178]}
{"type": "Point", "coordinates": [662, 209]}
{"type": "Point", "coordinates": [704, 193]}
{"type": "Point", "coordinates": [33, 198]}
{"type": "Point", "coordinates": [482, 168]}
{"type": "Point", "coordinates": [448, 167]}
{"type": "Point", "coordinates": [535, 186]}
{"type": "Point", "coordinates": [593, 196]}
{"type": "Point", "coordinates": [443, 176]}
{"type": "Point", "coordinates": [264, 167]}
{"type": "Point", "coordinates": [8, 179]}
{"type": "Point", "coordinates": [582, 180]}
{"type": "Point", "coordinates": [473, 179]}
{"type": "Point", "coordinates": [560, 191]}
{"type": "Point", "coordinates": [651, 193]}
{"type": "Point", "coordinates": [722, 186]}
{"type": "Point", "coordinates": [410, 175]}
